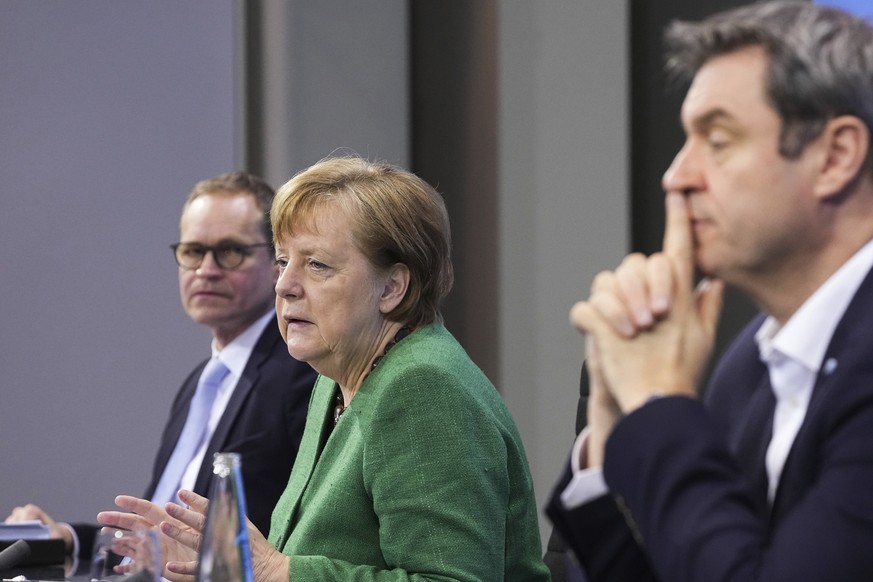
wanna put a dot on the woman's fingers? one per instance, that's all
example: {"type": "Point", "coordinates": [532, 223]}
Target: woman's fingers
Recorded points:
{"type": "Point", "coordinates": [187, 524]}
{"type": "Point", "coordinates": [196, 502]}
{"type": "Point", "coordinates": [149, 511]}
{"type": "Point", "coordinates": [182, 568]}
{"type": "Point", "coordinates": [180, 571]}
{"type": "Point", "coordinates": [186, 537]}
{"type": "Point", "coordinates": [122, 520]}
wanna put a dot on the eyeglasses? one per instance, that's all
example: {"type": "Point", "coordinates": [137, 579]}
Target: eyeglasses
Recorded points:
{"type": "Point", "coordinates": [227, 255]}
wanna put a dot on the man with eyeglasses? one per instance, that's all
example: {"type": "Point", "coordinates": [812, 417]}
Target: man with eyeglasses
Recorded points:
{"type": "Point", "coordinates": [258, 400]}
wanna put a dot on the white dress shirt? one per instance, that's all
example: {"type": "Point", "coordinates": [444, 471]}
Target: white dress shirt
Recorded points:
{"type": "Point", "coordinates": [234, 356]}
{"type": "Point", "coordinates": [793, 353]}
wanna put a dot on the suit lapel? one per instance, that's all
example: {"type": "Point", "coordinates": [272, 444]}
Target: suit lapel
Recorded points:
{"type": "Point", "coordinates": [222, 430]}
{"type": "Point", "coordinates": [852, 331]}
{"type": "Point", "coordinates": [742, 402]}
{"type": "Point", "coordinates": [249, 379]}
{"type": "Point", "coordinates": [753, 436]}
{"type": "Point", "coordinates": [175, 424]}
{"type": "Point", "coordinates": [831, 386]}
{"type": "Point", "coordinates": [314, 435]}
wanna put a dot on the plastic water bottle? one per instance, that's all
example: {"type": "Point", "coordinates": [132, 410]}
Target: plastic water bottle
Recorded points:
{"type": "Point", "coordinates": [225, 554]}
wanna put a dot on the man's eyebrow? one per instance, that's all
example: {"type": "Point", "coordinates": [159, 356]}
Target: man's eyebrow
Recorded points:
{"type": "Point", "coordinates": [703, 123]}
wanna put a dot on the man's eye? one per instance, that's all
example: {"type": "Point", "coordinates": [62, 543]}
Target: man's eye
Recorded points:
{"type": "Point", "coordinates": [718, 140]}
{"type": "Point", "coordinates": [231, 251]}
{"type": "Point", "coordinates": [193, 252]}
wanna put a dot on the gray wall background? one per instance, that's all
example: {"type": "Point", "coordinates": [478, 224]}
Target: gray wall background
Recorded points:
{"type": "Point", "coordinates": [110, 111]}
{"type": "Point", "coordinates": [563, 204]}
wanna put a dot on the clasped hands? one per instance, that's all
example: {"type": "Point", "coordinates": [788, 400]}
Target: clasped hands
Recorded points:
{"type": "Point", "coordinates": [648, 331]}
{"type": "Point", "coordinates": [181, 532]}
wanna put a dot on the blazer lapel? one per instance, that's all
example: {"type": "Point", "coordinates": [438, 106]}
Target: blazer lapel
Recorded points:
{"type": "Point", "coordinates": [754, 435]}
{"type": "Point", "coordinates": [175, 424]}
{"type": "Point", "coordinates": [742, 402]}
{"type": "Point", "coordinates": [249, 379]}
{"type": "Point", "coordinates": [831, 386]}
{"type": "Point", "coordinates": [314, 435]}
{"type": "Point", "coordinates": [219, 437]}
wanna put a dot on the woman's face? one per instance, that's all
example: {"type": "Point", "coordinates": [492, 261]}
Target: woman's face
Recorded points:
{"type": "Point", "coordinates": [330, 299]}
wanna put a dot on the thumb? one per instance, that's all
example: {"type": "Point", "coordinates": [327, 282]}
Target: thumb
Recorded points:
{"type": "Point", "coordinates": [710, 297]}
{"type": "Point", "coordinates": [592, 362]}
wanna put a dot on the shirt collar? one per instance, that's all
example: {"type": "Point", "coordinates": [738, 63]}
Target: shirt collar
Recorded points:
{"type": "Point", "coordinates": [805, 336]}
{"type": "Point", "coordinates": [236, 354]}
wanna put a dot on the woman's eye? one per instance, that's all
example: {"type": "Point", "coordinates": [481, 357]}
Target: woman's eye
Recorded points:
{"type": "Point", "coordinates": [281, 263]}
{"type": "Point", "coordinates": [317, 265]}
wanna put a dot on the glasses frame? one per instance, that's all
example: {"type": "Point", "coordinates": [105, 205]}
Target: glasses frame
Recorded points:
{"type": "Point", "coordinates": [246, 248]}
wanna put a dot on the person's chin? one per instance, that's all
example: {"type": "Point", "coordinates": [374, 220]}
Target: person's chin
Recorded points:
{"type": "Point", "coordinates": [207, 299]}
{"type": "Point", "coordinates": [301, 355]}
{"type": "Point", "coordinates": [706, 264]}
{"type": "Point", "coordinates": [299, 348]}
{"type": "Point", "coordinates": [209, 315]}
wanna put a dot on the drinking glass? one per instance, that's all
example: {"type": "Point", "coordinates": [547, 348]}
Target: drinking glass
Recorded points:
{"type": "Point", "coordinates": [137, 553]}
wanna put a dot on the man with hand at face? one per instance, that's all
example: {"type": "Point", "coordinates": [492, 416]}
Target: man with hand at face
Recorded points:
{"type": "Point", "coordinates": [772, 192]}
{"type": "Point", "coordinates": [260, 394]}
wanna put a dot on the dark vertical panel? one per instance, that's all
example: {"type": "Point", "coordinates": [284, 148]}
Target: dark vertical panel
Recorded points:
{"type": "Point", "coordinates": [322, 78]}
{"type": "Point", "coordinates": [454, 147]}
{"type": "Point", "coordinates": [656, 135]}
{"type": "Point", "coordinates": [252, 90]}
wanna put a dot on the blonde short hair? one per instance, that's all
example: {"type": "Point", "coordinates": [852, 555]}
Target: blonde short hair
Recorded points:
{"type": "Point", "coordinates": [396, 218]}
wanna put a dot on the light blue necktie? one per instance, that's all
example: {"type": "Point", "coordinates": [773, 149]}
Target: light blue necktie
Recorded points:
{"type": "Point", "coordinates": [193, 432]}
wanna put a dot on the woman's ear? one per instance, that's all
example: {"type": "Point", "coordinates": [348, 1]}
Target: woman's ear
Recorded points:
{"type": "Point", "coordinates": [846, 142]}
{"type": "Point", "coordinates": [396, 284]}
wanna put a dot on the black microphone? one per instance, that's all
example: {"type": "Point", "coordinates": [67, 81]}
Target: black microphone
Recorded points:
{"type": "Point", "coordinates": [13, 555]}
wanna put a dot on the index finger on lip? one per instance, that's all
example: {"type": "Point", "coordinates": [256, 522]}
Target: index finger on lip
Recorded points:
{"type": "Point", "coordinates": [678, 241]}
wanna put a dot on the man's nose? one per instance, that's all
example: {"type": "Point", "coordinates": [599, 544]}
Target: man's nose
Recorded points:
{"type": "Point", "coordinates": [209, 266]}
{"type": "Point", "coordinates": [684, 174]}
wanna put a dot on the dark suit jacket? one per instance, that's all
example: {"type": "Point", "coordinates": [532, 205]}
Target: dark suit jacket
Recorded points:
{"type": "Point", "coordinates": [263, 421]}
{"type": "Point", "coordinates": [692, 493]}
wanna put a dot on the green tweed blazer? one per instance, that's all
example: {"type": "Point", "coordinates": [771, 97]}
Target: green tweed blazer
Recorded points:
{"type": "Point", "coordinates": [423, 478]}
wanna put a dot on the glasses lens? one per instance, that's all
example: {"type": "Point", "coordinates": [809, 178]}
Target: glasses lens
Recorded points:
{"type": "Point", "coordinates": [229, 256]}
{"type": "Point", "coordinates": [190, 255]}
{"type": "Point", "coordinates": [226, 255]}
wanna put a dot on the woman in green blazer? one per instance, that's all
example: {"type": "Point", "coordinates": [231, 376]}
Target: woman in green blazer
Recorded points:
{"type": "Point", "coordinates": [411, 466]}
